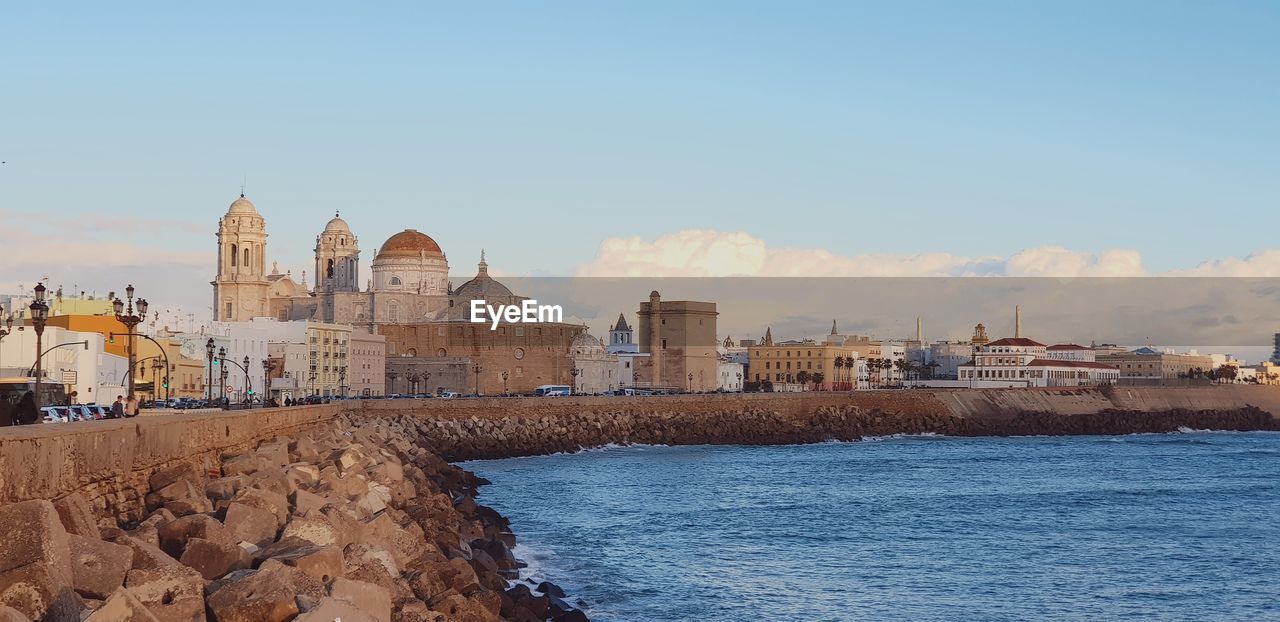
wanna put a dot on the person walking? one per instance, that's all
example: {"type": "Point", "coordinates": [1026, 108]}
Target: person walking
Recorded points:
{"type": "Point", "coordinates": [131, 406]}
{"type": "Point", "coordinates": [117, 409]}
{"type": "Point", "coordinates": [26, 413]}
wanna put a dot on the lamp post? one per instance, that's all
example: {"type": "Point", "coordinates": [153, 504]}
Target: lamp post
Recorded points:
{"type": "Point", "coordinates": [476, 369]}
{"type": "Point", "coordinates": [426, 375]}
{"type": "Point", "coordinates": [248, 384]}
{"type": "Point", "coordinates": [156, 366]}
{"type": "Point", "coordinates": [125, 314]}
{"type": "Point", "coordinates": [739, 382]}
{"type": "Point", "coordinates": [342, 382]}
{"type": "Point", "coordinates": [688, 388]}
{"type": "Point", "coordinates": [222, 372]}
{"type": "Point", "coordinates": [312, 381]}
{"type": "Point", "coordinates": [575, 372]}
{"type": "Point", "coordinates": [268, 366]}
{"type": "Point", "coordinates": [8, 327]}
{"type": "Point", "coordinates": [208, 385]}
{"type": "Point", "coordinates": [39, 315]}
{"type": "Point", "coordinates": [391, 375]}
{"type": "Point", "coordinates": [505, 375]}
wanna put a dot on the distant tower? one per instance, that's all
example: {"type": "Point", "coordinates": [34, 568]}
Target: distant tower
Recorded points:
{"type": "Point", "coordinates": [337, 258]}
{"type": "Point", "coordinates": [768, 336]}
{"type": "Point", "coordinates": [919, 330]}
{"type": "Point", "coordinates": [833, 327]}
{"type": "Point", "coordinates": [979, 335]}
{"type": "Point", "coordinates": [240, 288]}
{"type": "Point", "coordinates": [621, 337]}
{"type": "Point", "coordinates": [1017, 321]}
{"type": "Point", "coordinates": [655, 335]}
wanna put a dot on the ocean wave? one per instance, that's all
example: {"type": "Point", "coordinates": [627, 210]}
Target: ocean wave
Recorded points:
{"type": "Point", "coordinates": [903, 435]}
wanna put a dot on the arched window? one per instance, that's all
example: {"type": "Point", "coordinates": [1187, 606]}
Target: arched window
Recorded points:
{"type": "Point", "coordinates": [235, 254]}
{"type": "Point", "coordinates": [246, 257]}
{"type": "Point", "coordinates": [329, 270]}
{"type": "Point", "coordinates": [395, 281]}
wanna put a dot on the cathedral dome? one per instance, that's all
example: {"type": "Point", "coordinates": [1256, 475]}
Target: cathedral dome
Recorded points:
{"type": "Point", "coordinates": [586, 344]}
{"type": "Point", "coordinates": [337, 225]}
{"type": "Point", "coordinates": [408, 243]}
{"type": "Point", "coordinates": [483, 287]}
{"type": "Point", "coordinates": [242, 207]}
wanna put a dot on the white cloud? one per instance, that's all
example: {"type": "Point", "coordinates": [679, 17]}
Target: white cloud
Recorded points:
{"type": "Point", "coordinates": [701, 252]}
{"type": "Point", "coordinates": [1260, 264]}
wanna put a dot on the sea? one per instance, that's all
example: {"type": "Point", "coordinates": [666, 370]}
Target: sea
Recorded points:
{"type": "Point", "coordinates": [1182, 526]}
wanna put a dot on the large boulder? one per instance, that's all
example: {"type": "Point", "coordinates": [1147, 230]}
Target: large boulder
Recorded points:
{"type": "Point", "coordinates": [76, 516]}
{"type": "Point", "coordinates": [273, 502]}
{"type": "Point", "coordinates": [367, 597]}
{"type": "Point", "coordinates": [122, 606]}
{"type": "Point", "coordinates": [174, 535]}
{"type": "Point", "coordinates": [323, 563]}
{"type": "Point", "coordinates": [35, 562]}
{"type": "Point", "coordinates": [247, 523]}
{"type": "Point", "coordinates": [165, 477]}
{"type": "Point", "coordinates": [329, 609]}
{"type": "Point", "coordinates": [256, 597]}
{"type": "Point", "coordinates": [171, 593]}
{"type": "Point", "coordinates": [97, 567]}
{"type": "Point", "coordinates": [214, 559]}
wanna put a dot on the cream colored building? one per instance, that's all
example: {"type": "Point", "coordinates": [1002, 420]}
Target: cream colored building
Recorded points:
{"type": "Point", "coordinates": [1148, 365]}
{"type": "Point", "coordinates": [781, 363]}
{"type": "Point", "coordinates": [241, 289]}
{"type": "Point", "coordinates": [368, 369]}
{"type": "Point", "coordinates": [597, 369]}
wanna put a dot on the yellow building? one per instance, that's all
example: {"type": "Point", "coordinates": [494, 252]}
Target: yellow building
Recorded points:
{"type": "Point", "coordinates": [782, 363]}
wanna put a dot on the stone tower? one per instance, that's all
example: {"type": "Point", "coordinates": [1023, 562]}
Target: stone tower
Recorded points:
{"type": "Point", "coordinates": [241, 288]}
{"type": "Point", "coordinates": [337, 258]}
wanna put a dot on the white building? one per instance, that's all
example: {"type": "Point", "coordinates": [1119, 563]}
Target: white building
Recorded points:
{"type": "Point", "coordinates": [949, 355]}
{"type": "Point", "coordinates": [1025, 362]}
{"type": "Point", "coordinates": [1070, 352]}
{"type": "Point", "coordinates": [76, 360]}
{"type": "Point", "coordinates": [622, 338]}
{"type": "Point", "coordinates": [729, 375]}
{"type": "Point", "coordinates": [597, 369]}
{"type": "Point", "coordinates": [627, 363]}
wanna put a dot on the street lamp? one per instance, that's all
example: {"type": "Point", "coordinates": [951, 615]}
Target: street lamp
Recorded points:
{"type": "Point", "coordinates": [39, 315]}
{"type": "Point", "coordinates": [126, 315]}
{"type": "Point", "coordinates": [156, 366]}
{"type": "Point", "coordinates": [222, 371]}
{"type": "Point", "coordinates": [739, 382]}
{"type": "Point", "coordinates": [476, 369]}
{"type": "Point", "coordinates": [342, 381]}
{"type": "Point", "coordinates": [8, 327]}
{"type": "Point", "coordinates": [248, 385]}
{"type": "Point", "coordinates": [268, 366]}
{"type": "Point", "coordinates": [575, 372]}
{"type": "Point", "coordinates": [688, 388]}
{"type": "Point", "coordinates": [505, 375]}
{"type": "Point", "coordinates": [208, 385]}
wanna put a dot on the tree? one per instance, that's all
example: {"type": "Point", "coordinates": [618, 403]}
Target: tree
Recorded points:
{"type": "Point", "coordinates": [803, 377]}
{"type": "Point", "coordinates": [1228, 373]}
{"type": "Point", "coordinates": [818, 377]}
{"type": "Point", "coordinates": [933, 368]}
{"type": "Point", "coordinates": [839, 365]}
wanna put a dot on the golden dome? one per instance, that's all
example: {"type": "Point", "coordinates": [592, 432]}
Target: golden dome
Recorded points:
{"type": "Point", "coordinates": [409, 243]}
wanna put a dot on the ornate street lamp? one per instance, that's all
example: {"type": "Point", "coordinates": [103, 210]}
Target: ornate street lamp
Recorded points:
{"type": "Point", "coordinates": [222, 372]}
{"type": "Point", "coordinates": [575, 372]}
{"type": "Point", "coordinates": [248, 384]}
{"type": "Point", "coordinates": [39, 315]}
{"type": "Point", "coordinates": [739, 382]}
{"type": "Point", "coordinates": [8, 327]}
{"type": "Point", "coordinates": [688, 388]}
{"type": "Point", "coordinates": [477, 369]}
{"type": "Point", "coordinates": [125, 314]}
{"type": "Point", "coordinates": [268, 367]}
{"type": "Point", "coordinates": [208, 385]}
{"type": "Point", "coordinates": [342, 382]}
{"type": "Point", "coordinates": [505, 375]}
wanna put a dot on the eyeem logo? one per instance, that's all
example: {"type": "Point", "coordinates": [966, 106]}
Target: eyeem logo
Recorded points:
{"type": "Point", "coordinates": [526, 312]}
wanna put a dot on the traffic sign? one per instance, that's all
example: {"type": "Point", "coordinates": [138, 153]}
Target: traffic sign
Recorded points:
{"type": "Point", "coordinates": [231, 390]}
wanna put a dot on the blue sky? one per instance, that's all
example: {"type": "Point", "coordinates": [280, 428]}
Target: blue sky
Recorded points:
{"type": "Point", "coordinates": [537, 130]}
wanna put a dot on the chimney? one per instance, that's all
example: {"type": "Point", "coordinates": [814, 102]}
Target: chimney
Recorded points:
{"type": "Point", "coordinates": [1017, 320]}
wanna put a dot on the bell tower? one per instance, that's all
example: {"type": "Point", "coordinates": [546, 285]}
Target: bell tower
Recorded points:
{"type": "Point", "coordinates": [337, 258]}
{"type": "Point", "coordinates": [240, 288]}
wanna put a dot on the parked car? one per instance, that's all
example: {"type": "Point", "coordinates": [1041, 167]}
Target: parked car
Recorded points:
{"type": "Point", "coordinates": [53, 414]}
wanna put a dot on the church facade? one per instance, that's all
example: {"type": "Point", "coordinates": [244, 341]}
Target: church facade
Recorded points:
{"type": "Point", "coordinates": [409, 300]}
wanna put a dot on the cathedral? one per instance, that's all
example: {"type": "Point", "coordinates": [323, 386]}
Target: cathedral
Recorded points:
{"type": "Point", "coordinates": [409, 300]}
{"type": "Point", "coordinates": [410, 283]}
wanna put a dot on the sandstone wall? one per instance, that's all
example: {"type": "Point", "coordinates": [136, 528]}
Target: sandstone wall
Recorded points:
{"type": "Point", "coordinates": [109, 461]}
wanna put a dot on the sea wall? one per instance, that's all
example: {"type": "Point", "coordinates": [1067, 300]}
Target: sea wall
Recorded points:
{"type": "Point", "coordinates": [496, 428]}
{"type": "Point", "coordinates": [109, 462]}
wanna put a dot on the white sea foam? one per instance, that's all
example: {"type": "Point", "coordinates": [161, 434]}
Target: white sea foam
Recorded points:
{"type": "Point", "coordinates": [902, 435]}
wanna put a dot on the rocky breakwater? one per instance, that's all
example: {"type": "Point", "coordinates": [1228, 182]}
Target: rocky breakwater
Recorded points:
{"type": "Point", "coordinates": [354, 520]}
{"type": "Point", "coordinates": [497, 435]}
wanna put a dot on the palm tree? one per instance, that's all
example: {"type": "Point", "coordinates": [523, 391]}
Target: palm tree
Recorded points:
{"type": "Point", "coordinates": [818, 377]}
{"type": "Point", "coordinates": [803, 378]}
{"type": "Point", "coordinates": [933, 368]}
{"type": "Point", "coordinates": [839, 364]}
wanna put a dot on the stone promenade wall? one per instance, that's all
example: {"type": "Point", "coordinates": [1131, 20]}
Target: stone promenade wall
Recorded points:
{"type": "Point", "coordinates": [109, 462]}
